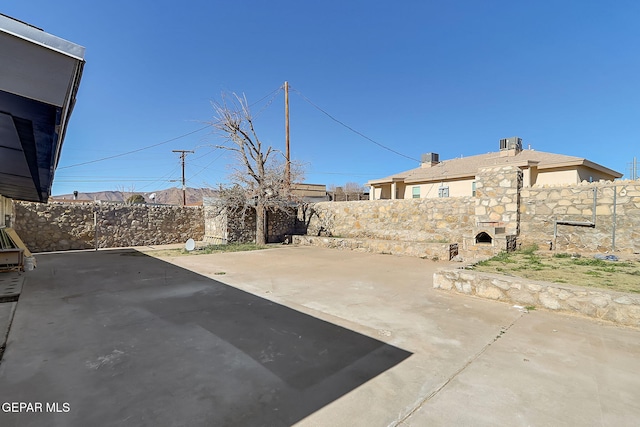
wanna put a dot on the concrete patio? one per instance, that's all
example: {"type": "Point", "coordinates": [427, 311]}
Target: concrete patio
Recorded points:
{"type": "Point", "coordinates": [305, 335]}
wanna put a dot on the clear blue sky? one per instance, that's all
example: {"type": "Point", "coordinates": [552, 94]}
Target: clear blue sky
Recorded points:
{"type": "Point", "coordinates": [451, 77]}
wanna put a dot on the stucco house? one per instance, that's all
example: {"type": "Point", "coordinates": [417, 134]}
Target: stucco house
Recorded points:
{"type": "Point", "coordinates": [456, 177]}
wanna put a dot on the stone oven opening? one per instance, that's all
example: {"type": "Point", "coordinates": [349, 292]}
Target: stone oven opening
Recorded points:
{"type": "Point", "coordinates": [483, 237]}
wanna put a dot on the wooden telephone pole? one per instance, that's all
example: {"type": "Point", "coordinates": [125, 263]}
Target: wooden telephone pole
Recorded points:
{"type": "Point", "coordinates": [183, 154]}
{"type": "Point", "coordinates": [287, 170]}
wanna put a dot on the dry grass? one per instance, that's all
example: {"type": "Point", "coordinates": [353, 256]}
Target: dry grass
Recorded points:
{"type": "Point", "coordinates": [210, 249]}
{"type": "Point", "coordinates": [623, 276]}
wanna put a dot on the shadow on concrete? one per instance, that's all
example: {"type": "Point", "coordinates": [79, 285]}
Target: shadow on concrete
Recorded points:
{"type": "Point", "coordinates": [130, 338]}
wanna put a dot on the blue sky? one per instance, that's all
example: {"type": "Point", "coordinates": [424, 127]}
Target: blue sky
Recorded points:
{"type": "Point", "coordinates": [451, 77]}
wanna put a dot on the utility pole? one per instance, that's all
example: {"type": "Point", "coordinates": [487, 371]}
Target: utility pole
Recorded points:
{"type": "Point", "coordinates": [183, 155]}
{"type": "Point", "coordinates": [287, 170]}
{"type": "Point", "coordinates": [633, 169]}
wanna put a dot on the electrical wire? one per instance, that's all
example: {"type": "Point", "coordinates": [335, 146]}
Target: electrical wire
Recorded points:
{"type": "Point", "coordinates": [205, 167]}
{"type": "Point", "coordinates": [273, 92]}
{"type": "Point", "coordinates": [135, 151]}
{"type": "Point", "coordinates": [268, 104]}
{"type": "Point", "coordinates": [164, 178]}
{"type": "Point", "coordinates": [352, 129]}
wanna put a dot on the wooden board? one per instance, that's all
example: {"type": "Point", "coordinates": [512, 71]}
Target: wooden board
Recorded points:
{"type": "Point", "coordinates": [17, 241]}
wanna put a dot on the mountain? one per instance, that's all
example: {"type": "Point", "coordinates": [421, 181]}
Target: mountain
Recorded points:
{"type": "Point", "coordinates": [170, 196]}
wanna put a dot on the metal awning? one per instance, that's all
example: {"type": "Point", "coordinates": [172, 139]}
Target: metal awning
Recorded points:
{"type": "Point", "coordinates": [39, 79]}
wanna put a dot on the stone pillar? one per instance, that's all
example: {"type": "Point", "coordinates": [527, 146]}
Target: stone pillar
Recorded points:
{"type": "Point", "coordinates": [497, 207]}
{"type": "Point", "coordinates": [393, 190]}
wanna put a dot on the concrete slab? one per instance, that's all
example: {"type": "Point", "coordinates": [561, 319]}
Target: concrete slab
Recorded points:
{"type": "Point", "coordinates": [545, 370]}
{"type": "Point", "coordinates": [10, 286]}
{"type": "Point", "coordinates": [299, 335]}
{"type": "Point", "coordinates": [7, 310]}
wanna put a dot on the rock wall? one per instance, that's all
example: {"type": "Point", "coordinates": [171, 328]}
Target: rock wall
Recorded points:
{"type": "Point", "coordinates": [61, 226]}
{"type": "Point", "coordinates": [433, 251]}
{"type": "Point", "coordinates": [602, 304]}
{"type": "Point", "coordinates": [497, 201]}
{"type": "Point", "coordinates": [501, 208]}
{"type": "Point", "coordinates": [419, 220]}
{"type": "Point", "coordinates": [617, 217]}
{"type": "Point", "coordinates": [222, 226]}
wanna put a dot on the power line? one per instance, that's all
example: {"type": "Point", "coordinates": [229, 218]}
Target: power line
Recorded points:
{"type": "Point", "coordinates": [111, 180]}
{"type": "Point", "coordinates": [352, 129]}
{"type": "Point", "coordinates": [273, 92]}
{"type": "Point", "coordinates": [163, 178]}
{"type": "Point", "coordinates": [205, 167]}
{"type": "Point", "coordinates": [135, 151]}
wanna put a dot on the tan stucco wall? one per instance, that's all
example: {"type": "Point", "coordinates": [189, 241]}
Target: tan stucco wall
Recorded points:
{"type": "Point", "coordinates": [557, 177]}
{"type": "Point", "coordinates": [380, 193]}
{"type": "Point", "coordinates": [591, 175]}
{"type": "Point", "coordinates": [459, 188]}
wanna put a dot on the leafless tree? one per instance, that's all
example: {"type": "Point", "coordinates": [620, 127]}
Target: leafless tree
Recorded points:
{"type": "Point", "coordinates": [259, 179]}
{"type": "Point", "coordinates": [126, 192]}
{"type": "Point", "coordinates": [346, 192]}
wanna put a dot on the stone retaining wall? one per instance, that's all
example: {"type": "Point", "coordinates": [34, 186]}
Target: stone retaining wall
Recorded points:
{"type": "Point", "coordinates": [61, 226]}
{"type": "Point", "coordinates": [416, 220]}
{"type": "Point", "coordinates": [435, 251]}
{"type": "Point", "coordinates": [598, 303]}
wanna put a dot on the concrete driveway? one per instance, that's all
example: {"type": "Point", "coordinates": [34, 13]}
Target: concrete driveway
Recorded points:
{"type": "Point", "coordinates": [304, 335]}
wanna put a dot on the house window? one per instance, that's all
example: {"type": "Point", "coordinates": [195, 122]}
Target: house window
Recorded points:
{"type": "Point", "coordinates": [443, 192]}
{"type": "Point", "coordinates": [416, 192]}
{"type": "Point", "coordinates": [473, 189]}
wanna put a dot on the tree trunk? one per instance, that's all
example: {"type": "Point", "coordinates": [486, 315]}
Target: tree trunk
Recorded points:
{"type": "Point", "coordinates": [260, 231]}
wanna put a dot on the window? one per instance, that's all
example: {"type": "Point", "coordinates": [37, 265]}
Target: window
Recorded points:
{"type": "Point", "coordinates": [473, 189]}
{"type": "Point", "coordinates": [416, 192]}
{"type": "Point", "coordinates": [443, 191]}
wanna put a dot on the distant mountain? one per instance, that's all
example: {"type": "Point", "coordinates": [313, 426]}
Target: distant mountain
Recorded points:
{"type": "Point", "coordinates": [170, 196]}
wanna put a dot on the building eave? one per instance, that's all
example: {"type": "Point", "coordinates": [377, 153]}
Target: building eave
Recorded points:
{"type": "Point", "coordinates": [38, 92]}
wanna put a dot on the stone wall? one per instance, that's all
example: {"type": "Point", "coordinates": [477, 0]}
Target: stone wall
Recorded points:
{"type": "Point", "coordinates": [497, 202]}
{"type": "Point", "coordinates": [222, 226]}
{"type": "Point", "coordinates": [602, 304]}
{"type": "Point", "coordinates": [418, 220]}
{"type": "Point", "coordinates": [617, 217]}
{"type": "Point", "coordinates": [433, 251]}
{"type": "Point", "coordinates": [62, 226]}
{"type": "Point", "coordinates": [503, 209]}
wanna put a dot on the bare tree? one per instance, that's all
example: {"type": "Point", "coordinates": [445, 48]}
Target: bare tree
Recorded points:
{"type": "Point", "coordinates": [126, 192]}
{"type": "Point", "coordinates": [353, 188]}
{"type": "Point", "coordinates": [349, 191]}
{"type": "Point", "coordinates": [259, 179]}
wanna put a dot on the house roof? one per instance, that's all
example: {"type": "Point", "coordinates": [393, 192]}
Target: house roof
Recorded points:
{"type": "Point", "coordinates": [40, 78]}
{"type": "Point", "coordinates": [467, 167]}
